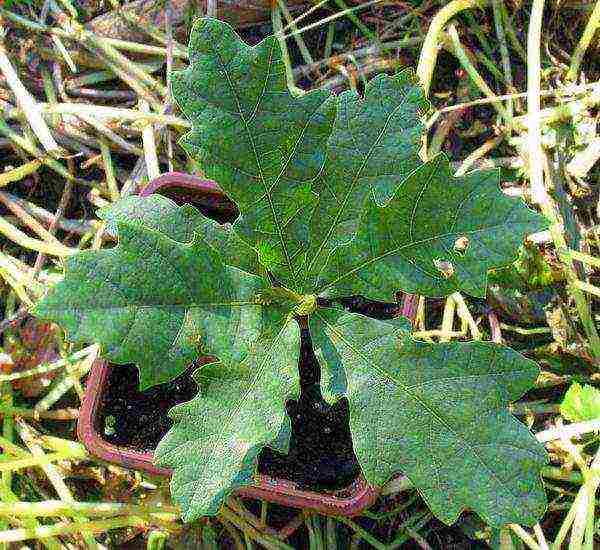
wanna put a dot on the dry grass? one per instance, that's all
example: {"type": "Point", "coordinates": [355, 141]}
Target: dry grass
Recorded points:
{"type": "Point", "coordinates": [87, 118]}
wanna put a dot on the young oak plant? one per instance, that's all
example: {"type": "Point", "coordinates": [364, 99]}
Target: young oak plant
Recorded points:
{"type": "Point", "coordinates": [334, 201]}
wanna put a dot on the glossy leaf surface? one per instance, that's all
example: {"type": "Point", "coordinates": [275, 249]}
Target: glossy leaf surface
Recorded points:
{"type": "Point", "coordinates": [437, 235]}
{"type": "Point", "coordinates": [333, 202]}
{"type": "Point", "coordinates": [373, 147]}
{"type": "Point", "coordinates": [262, 144]}
{"type": "Point", "coordinates": [156, 302]}
{"type": "Point", "coordinates": [181, 223]}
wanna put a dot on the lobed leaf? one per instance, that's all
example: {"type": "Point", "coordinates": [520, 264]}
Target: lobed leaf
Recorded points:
{"type": "Point", "coordinates": [181, 223]}
{"type": "Point", "coordinates": [300, 169]}
{"type": "Point", "coordinates": [438, 413]}
{"type": "Point", "coordinates": [153, 212]}
{"type": "Point", "coordinates": [374, 146]}
{"type": "Point", "coordinates": [262, 144]}
{"type": "Point", "coordinates": [437, 235]}
{"type": "Point", "coordinates": [217, 436]}
{"type": "Point", "coordinates": [156, 302]}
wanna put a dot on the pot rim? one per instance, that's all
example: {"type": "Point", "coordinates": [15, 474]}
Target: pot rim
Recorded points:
{"type": "Point", "coordinates": [183, 180]}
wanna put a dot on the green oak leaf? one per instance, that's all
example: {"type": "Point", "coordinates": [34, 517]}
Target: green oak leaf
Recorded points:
{"type": "Point", "coordinates": [437, 235]}
{"type": "Point", "coordinates": [181, 223]}
{"type": "Point", "coordinates": [333, 202]}
{"type": "Point", "coordinates": [581, 403]}
{"type": "Point", "coordinates": [263, 145]}
{"type": "Point", "coordinates": [213, 445]}
{"type": "Point", "coordinates": [153, 212]}
{"type": "Point", "coordinates": [374, 145]}
{"type": "Point", "coordinates": [156, 302]}
{"type": "Point", "coordinates": [438, 413]}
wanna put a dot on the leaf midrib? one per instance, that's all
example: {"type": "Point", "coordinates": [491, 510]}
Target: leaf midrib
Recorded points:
{"type": "Point", "coordinates": [235, 410]}
{"type": "Point", "coordinates": [267, 189]}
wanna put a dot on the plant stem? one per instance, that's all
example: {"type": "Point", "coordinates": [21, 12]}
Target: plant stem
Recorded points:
{"type": "Point", "coordinates": [150, 154]}
{"type": "Point", "coordinates": [109, 171]}
{"type": "Point", "coordinates": [59, 529]}
{"type": "Point", "coordinates": [328, 19]}
{"type": "Point", "coordinates": [565, 111]}
{"type": "Point", "coordinates": [552, 472]}
{"type": "Point", "coordinates": [70, 379]}
{"type": "Point", "coordinates": [297, 36]}
{"type": "Point", "coordinates": [332, 541]}
{"type": "Point", "coordinates": [536, 155]}
{"type": "Point", "coordinates": [539, 534]}
{"type": "Point", "coordinates": [584, 258]}
{"type": "Point", "coordinates": [587, 287]}
{"type": "Point", "coordinates": [17, 174]}
{"type": "Point", "coordinates": [537, 161]}
{"type": "Point", "coordinates": [524, 535]}
{"type": "Point", "coordinates": [52, 473]}
{"type": "Point", "coordinates": [363, 534]}
{"type": "Point", "coordinates": [480, 152]}
{"type": "Point", "coordinates": [285, 55]}
{"type": "Point", "coordinates": [7, 496]}
{"type": "Point", "coordinates": [474, 74]}
{"type": "Point", "coordinates": [48, 367]}
{"type": "Point", "coordinates": [429, 51]}
{"type": "Point", "coordinates": [118, 113]}
{"type": "Point", "coordinates": [61, 414]}
{"type": "Point", "coordinates": [497, 5]}
{"type": "Point", "coordinates": [367, 51]}
{"type": "Point", "coordinates": [349, 12]}
{"type": "Point", "coordinates": [103, 130]}
{"type": "Point", "coordinates": [20, 238]}
{"type": "Point", "coordinates": [28, 220]}
{"type": "Point", "coordinates": [567, 522]}
{"type": "Point", "coordinates": [463, 312]}
{"type": "Point", "coordinates": [448, 319]}
{"type": "Point", "coordinates": [19, 464]}
{"type": "Point", "coordinates": [566, 432]}
{"type": "Point", "coordinates": [585, 40]}
{"type": "Point", "coordinates": [49, 508]}
{"type": "Point", "coordinates": [28, 146]}
{"type": "Point", "coordinates": [521, 122]}
{"type": "Point", "coordinates": [444, 335]}
{"type": "Point", "coordinates": [525, 331]}
{"type": "Point", "coordinates": [239, 508]}
{"type": "Point", "coordinates": [268, 542]}
{"type": "Point", "coordinates": [6, 393]}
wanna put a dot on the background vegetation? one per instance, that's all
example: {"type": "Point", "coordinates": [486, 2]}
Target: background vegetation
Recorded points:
{"type": "Point", "coordinates": [87, 117]}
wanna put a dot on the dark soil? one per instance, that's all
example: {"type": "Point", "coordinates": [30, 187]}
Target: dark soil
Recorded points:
{"type": "Point", "coordinates": [320, 457]}
{"type": "Point", "coordinates": [138, 420]}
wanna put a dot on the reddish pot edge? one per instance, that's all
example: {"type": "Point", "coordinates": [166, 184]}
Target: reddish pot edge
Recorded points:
{"type": "Point", "coordinates": [279, 491]}
{"type": "Point", "coordinates": [181, 179]}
